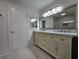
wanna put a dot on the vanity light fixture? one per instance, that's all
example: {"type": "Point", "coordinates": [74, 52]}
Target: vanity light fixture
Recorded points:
{"type": "Point", "coordinates": [33, 20]}
{"type": "Point", "coordinates": [68, 21]}
{"type": "Point", "coordinates": [53, 11]}
{"type": "Point", "coordinates": [63, 14]}
{"type": "Point", "coordinates": [47, 13]}
{"type": "Point", "coordinates": [57, 9]}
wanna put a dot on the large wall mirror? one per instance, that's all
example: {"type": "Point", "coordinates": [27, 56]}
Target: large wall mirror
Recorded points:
{"type": "Point", "coordinates": [62, 20]}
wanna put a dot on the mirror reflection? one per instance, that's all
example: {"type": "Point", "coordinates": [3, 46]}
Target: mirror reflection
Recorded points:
{"type": "Point", "coordinates": [62, 20]}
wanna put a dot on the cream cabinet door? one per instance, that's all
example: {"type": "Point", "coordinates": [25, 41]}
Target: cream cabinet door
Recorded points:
{"type": "Point", "coordinates": [41, 40]}
{"type": "Point", "coordinates": [68, 47]}
{"type": "Point", "coordinates": [61, 49]}
{"type": "Point", "coordinates": [64, 47]}
{"type": "Point", "coordinates": [46, 42]}
{"type": "Point", "coordinates": [51, 44]}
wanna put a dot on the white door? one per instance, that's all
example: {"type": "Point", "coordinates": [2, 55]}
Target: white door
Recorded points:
{"type": "Point", "coordinates": [18, 29]}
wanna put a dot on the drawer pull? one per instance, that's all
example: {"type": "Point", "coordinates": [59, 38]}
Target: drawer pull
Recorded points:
{"type": "Point", "coordinates": [51, 37]}
{"type": "Point", "coordinates": [44, 40]}
{"type": "Point", "coordinates": [62, 39]}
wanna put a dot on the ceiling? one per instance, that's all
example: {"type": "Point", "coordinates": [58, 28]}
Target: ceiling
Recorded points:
{"type": "Point", "coordinates": [40, 4]}
{"type": "Point", "coordinates": [35, 4]}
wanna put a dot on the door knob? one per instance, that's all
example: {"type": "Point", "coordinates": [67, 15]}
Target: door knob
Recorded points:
{"type": "Point", "coordinates": [12, 32]}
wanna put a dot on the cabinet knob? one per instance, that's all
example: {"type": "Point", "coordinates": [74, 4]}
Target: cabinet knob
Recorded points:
{"type": "Point", "coordinates": [44, 40]}
{"type": "Point", "coordinates": [56, 48]}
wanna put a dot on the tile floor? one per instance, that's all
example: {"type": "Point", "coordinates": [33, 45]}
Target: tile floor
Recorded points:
{"type": "Point", "coordinates": [28, 53]}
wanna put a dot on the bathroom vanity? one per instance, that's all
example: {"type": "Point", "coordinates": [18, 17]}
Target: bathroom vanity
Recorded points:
{"type": "Point", "coordinates": [58, 34]}
{"type": "Point", "coordinates": [58, 45]}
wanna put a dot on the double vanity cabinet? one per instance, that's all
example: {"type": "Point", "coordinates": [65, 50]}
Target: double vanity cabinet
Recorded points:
{"type": "Point", "coordinates": [59, 46]}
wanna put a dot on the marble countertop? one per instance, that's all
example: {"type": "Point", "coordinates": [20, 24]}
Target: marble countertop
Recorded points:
{"type": "Point", "coordinates": [56, 32]}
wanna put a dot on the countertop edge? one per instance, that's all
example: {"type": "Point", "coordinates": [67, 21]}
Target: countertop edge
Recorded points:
{"type": "Point", "coordinates": [54, 32]}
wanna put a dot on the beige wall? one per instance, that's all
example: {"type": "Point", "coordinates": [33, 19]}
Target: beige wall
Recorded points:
{"type": "Point", "coordinates": [3, 26]}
